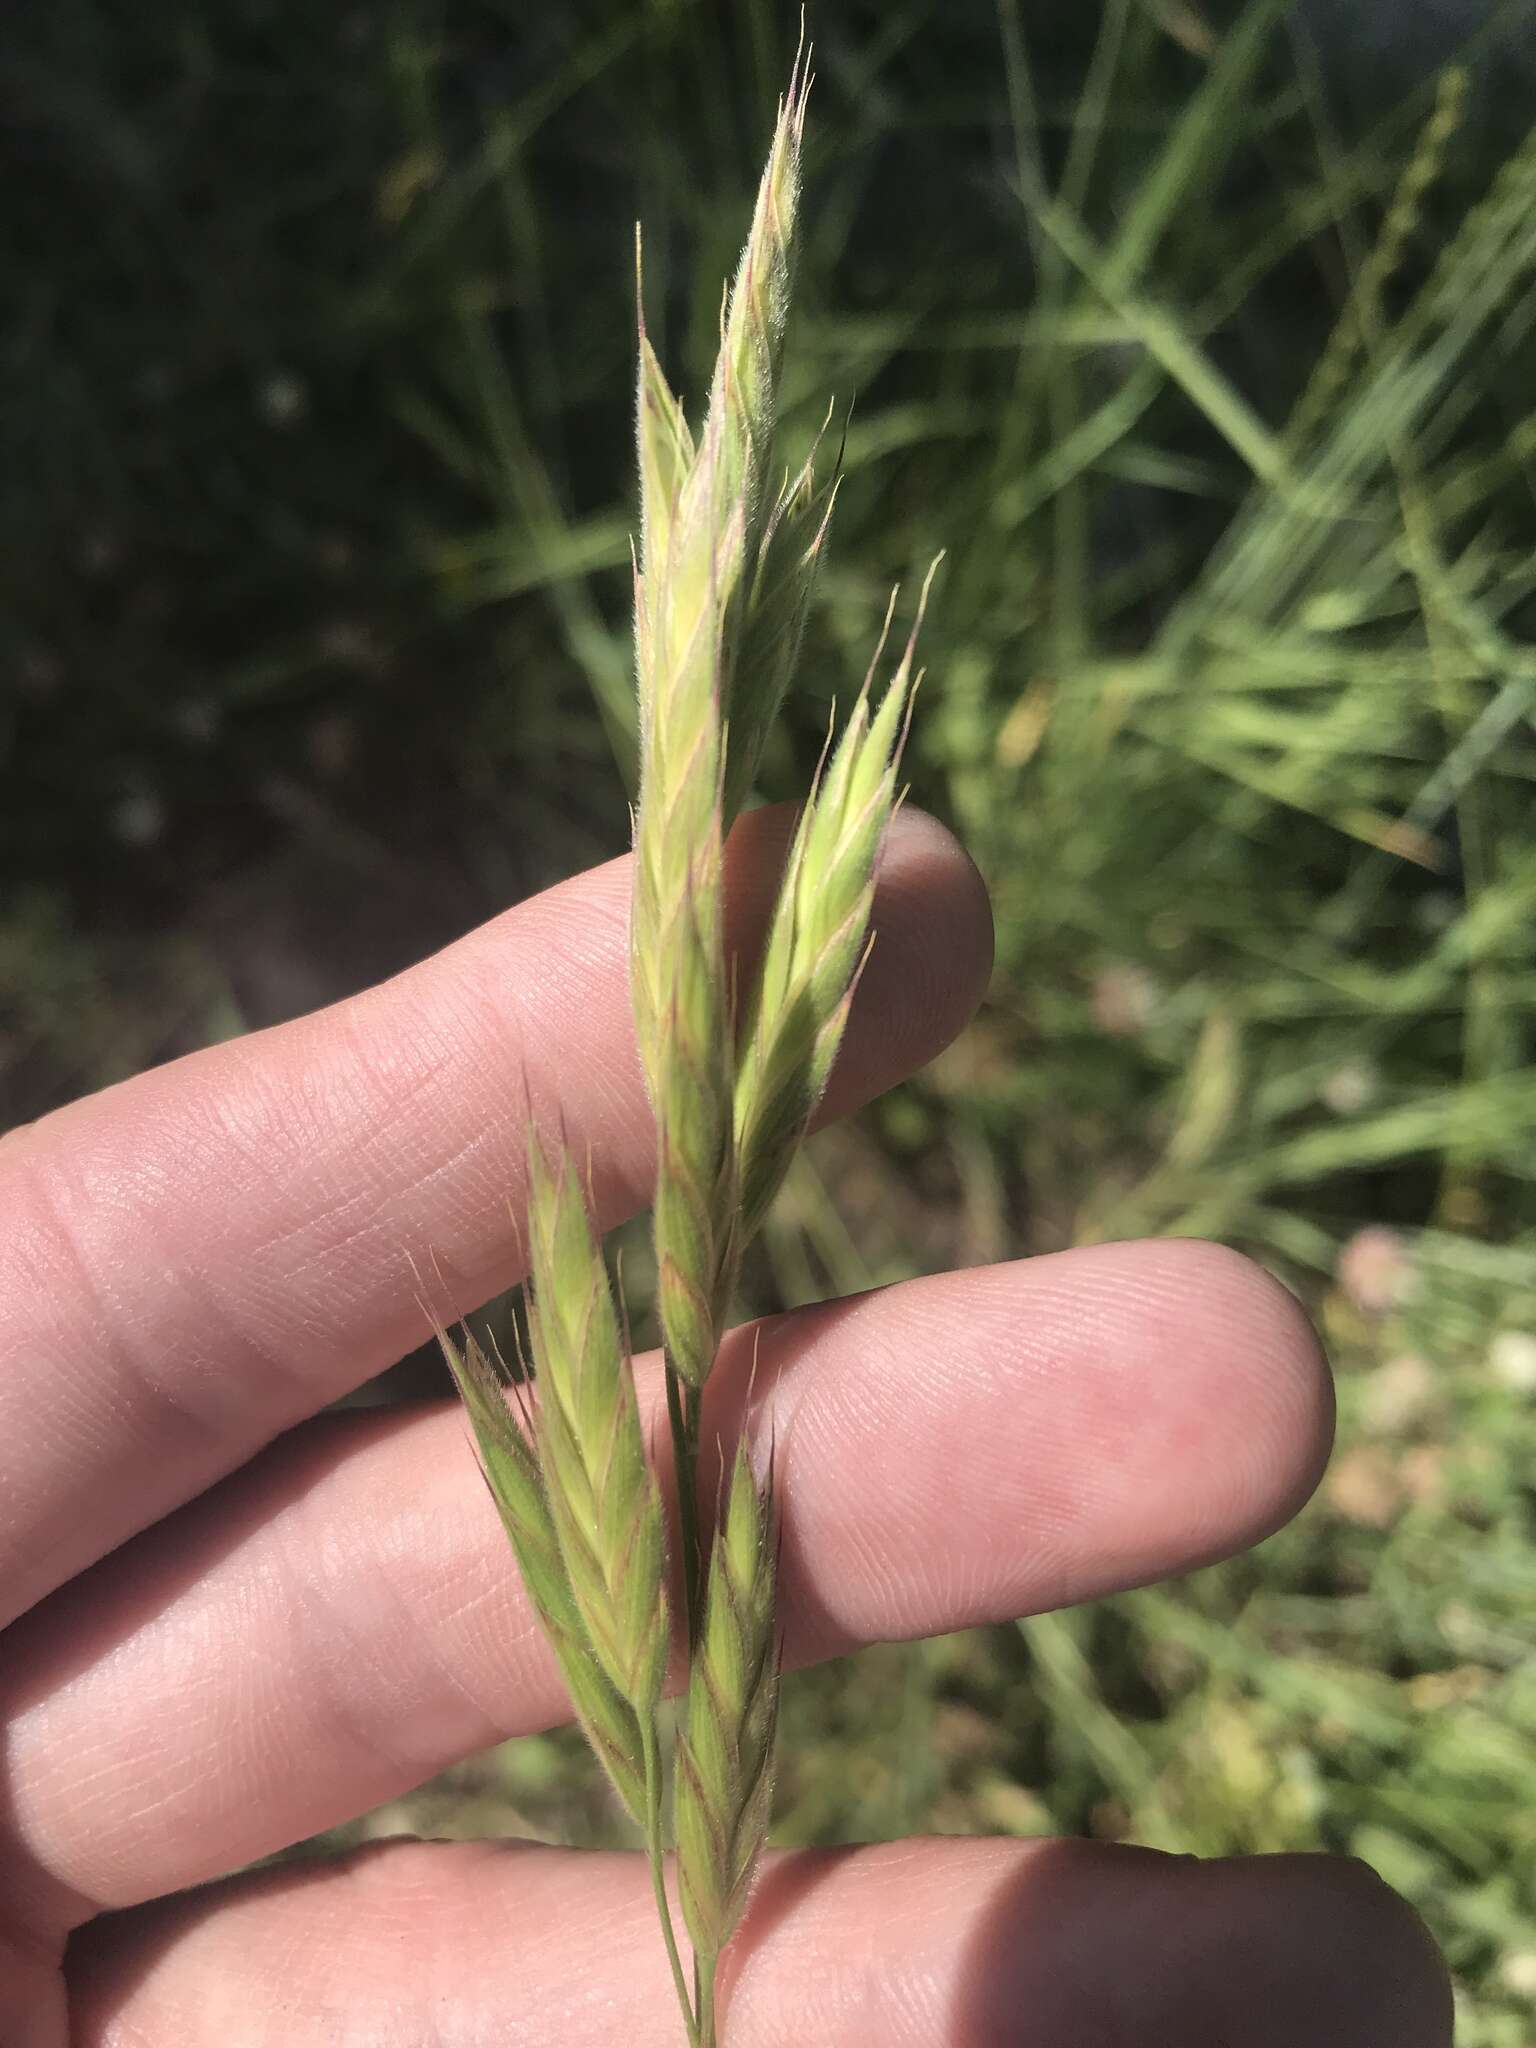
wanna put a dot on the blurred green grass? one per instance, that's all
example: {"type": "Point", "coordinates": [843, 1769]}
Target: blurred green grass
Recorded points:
{"type": "Point", "coordinates": [1212, 369]}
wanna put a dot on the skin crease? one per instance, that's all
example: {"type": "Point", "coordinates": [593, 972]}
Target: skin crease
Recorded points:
{"type": "Point", "coordinates": [235, 1625]}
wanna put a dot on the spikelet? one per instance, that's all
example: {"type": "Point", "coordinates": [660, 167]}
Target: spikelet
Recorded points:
{"type": "Point", "coordinates": [724, 1784]}
{"type": "Point", "coordinates": [713, 554]}
{"type": "Point", "coordinates": [783, 580]}
{"type": "Point", "coordinates": [818, 938]}
{"type": "Point", "coordinates": [743, 395]}
{"type": "Point", "coordinates": [511, 1472]}
{"type": "Point", "coordinates": [603, 1498]}
{"type": "Point", "coordinates": [677, 948]}
{"type": "Point", "coordinates": [743, 406]}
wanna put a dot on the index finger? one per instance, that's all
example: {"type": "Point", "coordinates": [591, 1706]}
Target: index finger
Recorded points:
{"type": "Point", "coordinates": [196, 1259]}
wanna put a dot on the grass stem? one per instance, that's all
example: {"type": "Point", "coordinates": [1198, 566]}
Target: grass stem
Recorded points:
{"type": "Point", "coordinates": [653, 1855]}
{"type": "Point", "coordinates": [704, 1968]}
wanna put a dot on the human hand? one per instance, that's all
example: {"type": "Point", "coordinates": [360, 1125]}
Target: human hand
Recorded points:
{"type": "Point", "coordinates": [234, 1622]}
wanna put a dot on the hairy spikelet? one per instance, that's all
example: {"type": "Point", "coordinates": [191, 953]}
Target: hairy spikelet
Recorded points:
{"type": "Point", "coordinates": [783, 580]}
{"type": "Point", "coordinates": [678, 975]}
{"type": "Point", "coordinates": [511, 1472]}
{"type": "Point", "coordinates": [666, 457]}
{"type": "Point", "coordinates": [817, 940]}
{"type": "Point", "coordinates": [743, 407]}
{"type": "Point", "coordinates": [724, 1784]}
{"type": "Point", "coordinates": [713, 555]}
{"type": "Point", "coordinates": [694, 1217]}
{"type": "Point", "coordinates": [603, 1498]}
{"type": "Point", "coordinates": [743, 393]}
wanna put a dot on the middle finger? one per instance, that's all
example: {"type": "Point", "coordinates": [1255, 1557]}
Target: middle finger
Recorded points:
{"type": "Point", "coordinates": [331, 1626]}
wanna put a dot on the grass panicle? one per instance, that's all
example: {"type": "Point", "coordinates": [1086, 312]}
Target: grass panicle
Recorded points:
{"type": "Point", "coordinates": [723, 576]}
{"type": "Point", "coordinates": [724, 1783]}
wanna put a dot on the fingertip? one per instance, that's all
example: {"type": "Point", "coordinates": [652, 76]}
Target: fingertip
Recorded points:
{"type": "Point", "coordinates": [929, 962]}
{"type": "Point", "coordinates": [1214, 1412]}
{"type": "Point", "coordinates": [924, 864]}
{"type": "Point", "coordinates": [1256, 1327]}
{"type": "Point", "coordinates": [1324, 1935]}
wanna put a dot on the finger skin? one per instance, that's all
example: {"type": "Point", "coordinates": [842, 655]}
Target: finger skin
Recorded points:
{"type": "Point", "coordinates": [196, 1259]}
{"type": "Point", "coordinates": [343, 1619]}
{"type": "Point", "coordinates": [927, 1944]}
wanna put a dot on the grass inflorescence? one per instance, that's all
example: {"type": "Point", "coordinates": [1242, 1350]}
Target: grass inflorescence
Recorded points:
{"type": "Point", "coordinates": [723, 576]}
{"type": "Point", "coordinates": [1231, 698]}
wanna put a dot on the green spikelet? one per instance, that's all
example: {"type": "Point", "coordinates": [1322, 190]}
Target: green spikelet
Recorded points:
{"type": "Point", "coordinates": [713, 554]}
{"type": "Point", "coordinates": [666, 457]}
{"type": "Point", "coordinates": [724, 1785]}
{"type": "Point", "coordinates": [678, 974]}
{"type": "Point", "coordinates": [743, 397]}
{"type": "Point", "coordinates": [512, 1474]}
{"type": "Point", "coordinates": [603, 1498]}
{"type": "Point", "coordinates": [743, 408]}
{"type": "Point", "coordinates": [695, 1208]}
{"type": "Point", "coordinates": [783, 580]}
{"type": "Point", "coordinates": [817, 940]}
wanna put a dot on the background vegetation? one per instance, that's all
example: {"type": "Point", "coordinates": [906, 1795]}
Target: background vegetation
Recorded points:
{"type": "Point", "coordinates": [1208, 352]}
